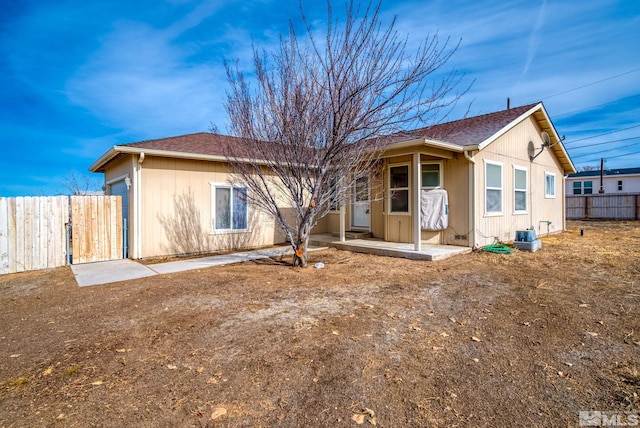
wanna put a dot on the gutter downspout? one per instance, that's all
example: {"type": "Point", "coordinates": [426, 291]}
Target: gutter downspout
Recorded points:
{"type": "Point", "coordinates": [138, 211]}
{"type": "Point", "coordinates": [472, 200]}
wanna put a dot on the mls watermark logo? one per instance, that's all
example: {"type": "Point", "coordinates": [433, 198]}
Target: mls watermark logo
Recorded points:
{"type": "Point", "coordinates": [608, 419]}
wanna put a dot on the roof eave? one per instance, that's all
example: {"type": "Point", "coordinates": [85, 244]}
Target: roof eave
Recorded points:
{"type": "Point", "coordinates": [559, 142]}
{"type": "Point", "coordinates": [99, 164]}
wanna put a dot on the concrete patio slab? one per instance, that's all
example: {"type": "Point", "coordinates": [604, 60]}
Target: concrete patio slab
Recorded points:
{"type": "Point", "coordinates": [110, 271]}
{"type": "Point", "coordinates": [378, 247]}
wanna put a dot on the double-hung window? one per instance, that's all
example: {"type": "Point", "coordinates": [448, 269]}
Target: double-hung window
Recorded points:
{"type": "Point", "coordinates": [431, 178]}
{"type": "Point", "coordinates": [519, 189]}
{"type": "Point", "coordinates": [399, 186]}
{"type": "Point", "coordinates": [229, 208]}
{"type": "Point", "coordinates": [580, 187]}
{"type": "Point", "coordinates": [493, 188]}
{"type": "Point", "coordinates": [549, 185]}
{"type": "Point", "coordinates": [577, 187]}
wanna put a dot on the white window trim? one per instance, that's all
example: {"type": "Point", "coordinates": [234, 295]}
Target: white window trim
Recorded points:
{"type": "Point", "coordinates": [584, 187]}
{"type": "Point", "coordinates": [548, 195]}
{"type": "Point", "coordinates": [215, 231]}
{"type": "Point", "coordinates": [440, 178]}
{"type": "Point", "coordinates": [574, 188]}
{"type": "Point", "coordinates": [393, 165]}
{"type": "Point", "coordinates": [525, 190]}
{"type": "Point", "coordinates": [501, 188]}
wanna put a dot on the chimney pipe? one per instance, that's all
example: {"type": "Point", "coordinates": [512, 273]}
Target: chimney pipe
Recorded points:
{"type": "Point", "coordinates": [508, 103]}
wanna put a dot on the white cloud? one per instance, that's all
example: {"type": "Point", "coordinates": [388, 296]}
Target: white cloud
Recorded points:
{"type": "Point", "coordinates": [141, 80]}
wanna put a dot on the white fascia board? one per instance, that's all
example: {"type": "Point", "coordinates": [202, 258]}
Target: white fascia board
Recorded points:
{"type": "Point", "coordinates": [426, 142]}
{"type": "Point", "coordinates": [106, 157]}
{"type": "Point", "coordinates": [446, 146]}
{"type": "Point", "coordinates": [558, 139]}
{"type": "Point", "coordinates": [113, 151]}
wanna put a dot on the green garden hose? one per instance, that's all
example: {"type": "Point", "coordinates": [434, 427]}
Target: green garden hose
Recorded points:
{"type": "Point", "coordinates": [497, 249]}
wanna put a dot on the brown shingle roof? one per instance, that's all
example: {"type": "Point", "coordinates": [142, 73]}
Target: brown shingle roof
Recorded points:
{"type": "Point", "coordinates": [203, 143]}
{"type": "Point", "coordinates": [465, 132]}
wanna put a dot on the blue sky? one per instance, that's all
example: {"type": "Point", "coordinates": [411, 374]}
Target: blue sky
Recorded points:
{"type": "Point", "coordinates": [78, 77]}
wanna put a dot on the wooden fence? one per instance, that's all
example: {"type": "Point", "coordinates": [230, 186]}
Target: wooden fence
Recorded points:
{"type": "Point", "coordinates": [96, 225]}
{"type": "Point", "coordinates": [33, 231]}
{"type": "Point", "coordinates": [624, 206]}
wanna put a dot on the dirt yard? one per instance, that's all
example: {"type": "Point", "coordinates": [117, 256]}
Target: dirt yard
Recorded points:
{"type": "Point", "coordinates": [481, 340]}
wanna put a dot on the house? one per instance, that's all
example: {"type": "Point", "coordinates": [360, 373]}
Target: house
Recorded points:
{"type": "Point", "coordinates": [621, 180]}
{"type": "Point", "coordinates": [477, 180]}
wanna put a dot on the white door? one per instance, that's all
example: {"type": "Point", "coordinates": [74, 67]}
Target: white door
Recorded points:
{"type": "Point", "coordinates": [361, 206]}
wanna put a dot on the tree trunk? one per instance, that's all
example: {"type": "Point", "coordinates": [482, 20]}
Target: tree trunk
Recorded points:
{"type": "Point", "coordinates": [300, 249]}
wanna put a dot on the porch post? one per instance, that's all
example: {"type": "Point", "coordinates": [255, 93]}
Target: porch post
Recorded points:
{"type": "Point", "coordinates": [417, 232]}
{"type": "Point", "coordinates": [342, 218]}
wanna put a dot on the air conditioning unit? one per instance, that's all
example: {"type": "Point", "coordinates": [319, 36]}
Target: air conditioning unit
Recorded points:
{"type": "Point", "coordinates": [526, 240]}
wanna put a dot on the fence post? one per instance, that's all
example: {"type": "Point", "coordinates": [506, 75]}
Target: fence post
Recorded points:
{"type": "Point", "coordinates": [4, 236]}
{"type": "Point", "coordinates": [125, 239]}
{"type": "Point", "coordinates": [586, 207]}
{"type": "Point", "coordinates": [68, 230]}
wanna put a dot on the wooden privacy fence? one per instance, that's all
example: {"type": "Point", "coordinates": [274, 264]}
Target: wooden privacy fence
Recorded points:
{"type": "Point", "coordinates": [96, 227]}
{"type": "Point", "coordinates": [34, 234]}
{"type": "Point", "coordinates": [624, 206]}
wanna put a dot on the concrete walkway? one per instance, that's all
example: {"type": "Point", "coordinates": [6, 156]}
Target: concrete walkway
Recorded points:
{"type": "Point", "coordinates": [121, 270]}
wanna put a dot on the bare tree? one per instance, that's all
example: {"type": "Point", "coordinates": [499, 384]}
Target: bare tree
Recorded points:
{"type": "Point", "coordinates": [76, 183]}
{"type": "Point", "coordinates": [315, 120]}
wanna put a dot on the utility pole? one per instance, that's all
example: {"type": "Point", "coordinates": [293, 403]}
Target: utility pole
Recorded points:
{"type": "Point", "coordinates": [601, 175]}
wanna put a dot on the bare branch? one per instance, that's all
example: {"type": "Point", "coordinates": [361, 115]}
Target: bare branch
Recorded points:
{"type": "Point", "coordinates": [313, 123]}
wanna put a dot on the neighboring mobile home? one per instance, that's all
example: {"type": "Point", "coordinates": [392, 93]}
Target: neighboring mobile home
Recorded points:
{"type": "Point", "coordinates": [620, 180]}
{"type": "Point", "coordinates": [477, 180]}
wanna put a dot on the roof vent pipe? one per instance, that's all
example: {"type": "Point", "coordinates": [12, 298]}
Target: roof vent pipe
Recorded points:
{"type": "Point", "coordinates": [508, 103]}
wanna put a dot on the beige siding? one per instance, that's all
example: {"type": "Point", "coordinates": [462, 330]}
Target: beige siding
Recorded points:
{"type": "Point", "coordinates": [511, 150]}
{"type": "Point", "coordinates": [176, 197]}
{"type": "Point", "coordinates": [322, 226]}
{"type": "Point", "coordinates": [456, 183]}
{"type": "Point", "coordinates": [399, 227]}
{"type": "Point", "coordinates": [121, 167]}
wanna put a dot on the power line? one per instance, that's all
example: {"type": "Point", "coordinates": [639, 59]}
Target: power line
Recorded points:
{"type": "Point", "coordinates": [600, 135]}
{"type": "Point", "coordinates": [615, 148]}
{"type": "Point", "coordinates": [604, 142]}
{"type": "Point", "coordinates": [586, 108]}
{"type": "Point", "coordinates": [611, 157]}
{"type": "Point", "coordinates": [592, 83]}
